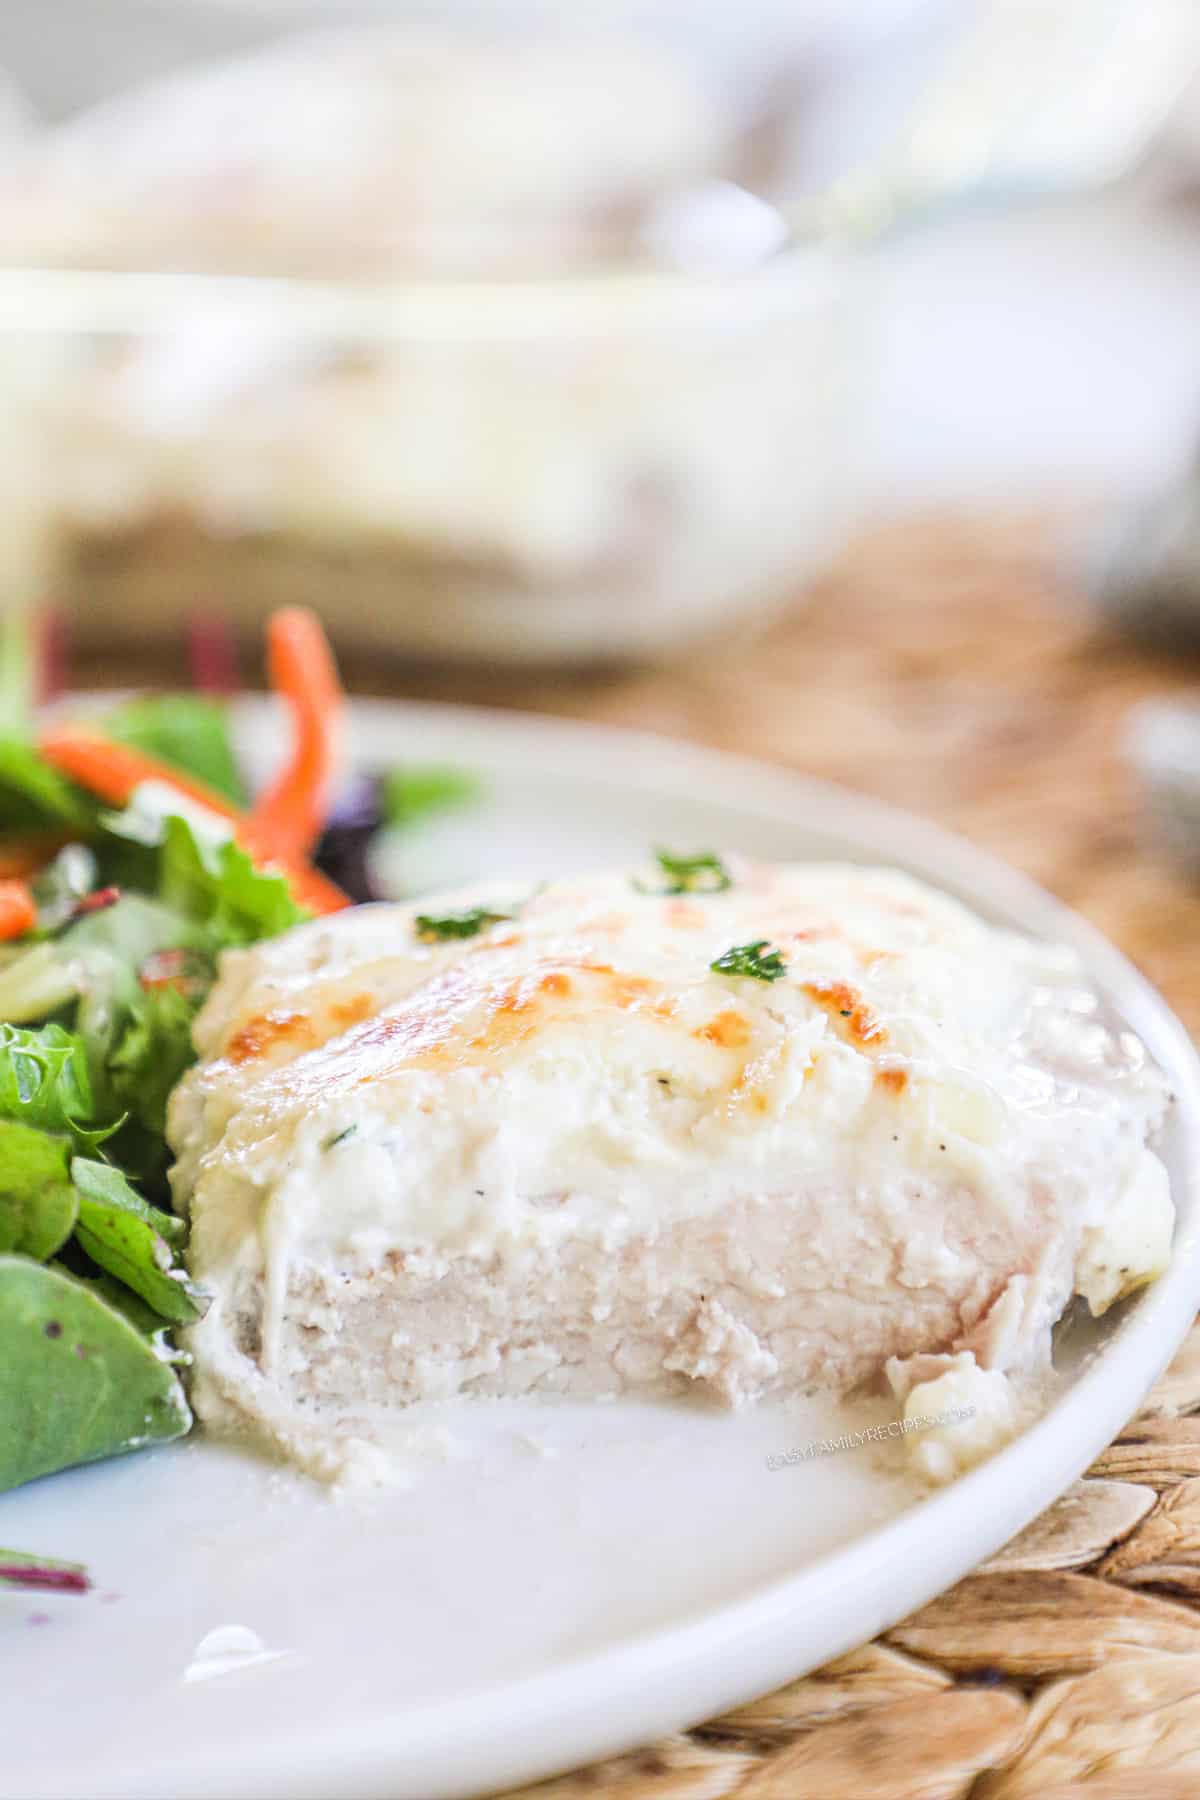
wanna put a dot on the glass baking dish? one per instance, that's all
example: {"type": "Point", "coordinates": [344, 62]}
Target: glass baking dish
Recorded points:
{"type": "Point", "coordinates": [587, 468]}
{"type": "Point", "coordinates": [545, 379]}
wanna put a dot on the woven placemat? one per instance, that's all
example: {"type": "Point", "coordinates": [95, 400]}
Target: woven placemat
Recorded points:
{"type": "Point", "coordinates": [1067, 1666]}
{"type": "Point", "coordinates": [949, 666]}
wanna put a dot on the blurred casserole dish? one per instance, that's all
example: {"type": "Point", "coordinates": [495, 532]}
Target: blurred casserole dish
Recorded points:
{"type": "Point", "coordinates": [477, 351]}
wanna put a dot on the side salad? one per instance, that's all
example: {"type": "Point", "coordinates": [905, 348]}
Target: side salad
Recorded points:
{"type": "Point", "coordinates": [130, 857]}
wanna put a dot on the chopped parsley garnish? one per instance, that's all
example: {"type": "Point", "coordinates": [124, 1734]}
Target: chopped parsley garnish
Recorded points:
{"type": "Point", "coordinates": [748, 959]}
{"type": "Point", "coordinates": [339, 1137]}
{"type": "Point", "coordinates": [703, 873]}
{"type": "Point", "coordinates": [432, 926]}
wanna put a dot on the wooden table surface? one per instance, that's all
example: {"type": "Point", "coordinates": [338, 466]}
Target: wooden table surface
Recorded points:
{"type": "Point", "coordinates": [948, 667]}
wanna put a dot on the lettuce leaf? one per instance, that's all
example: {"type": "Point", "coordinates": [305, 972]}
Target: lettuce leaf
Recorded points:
{"type": "Point", "coordinates": [218, 886]}
{"type": "Point", "coordinates": [33, 796]}
{"type": "Point", "coordinates": [44, 1083]}
{"type": "Point", "coordinates": [85, 1371]}
{"type": "Point", "coordinates": [149, 1053]}
{"type": "Point", "coordinates": [418, 790]}
{"type": "Point", "coordinates": [138, 1039]}
{"type": "Point", "coordinates": [187, 731]}
{"type": "Point", "coordinates": [86, 958]}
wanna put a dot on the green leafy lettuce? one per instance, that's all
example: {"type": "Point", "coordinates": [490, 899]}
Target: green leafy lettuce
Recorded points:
{"type": "Point", "coordinates": [218, 886]}
{"type": "Point", "coordinates": [33, 796]}
{"type": "Point", "coordinates": [96, 1013]}
{"type": "Point", "coordinates": [188, 732]}
{"type": "Point", "coordinates": [44, 1082]}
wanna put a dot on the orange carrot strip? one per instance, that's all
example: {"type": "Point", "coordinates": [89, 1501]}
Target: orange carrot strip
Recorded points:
{"type": "Point", "coordinates": [18, 910]}
{"type": "Point", "coordinates": [113, 772]}
{"type": "Point", "coordinates": [310, 887]}
{"type": "Point", "coordinates": [288, 818]}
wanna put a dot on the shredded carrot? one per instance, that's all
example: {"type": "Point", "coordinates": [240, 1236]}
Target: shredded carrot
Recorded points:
{"type": "Point", "coordinates": [287, 821]}
{"type": "Point", "coordinates": [309, 886]}
{"type": "Point", "coordinates": [113, 772]}
{"type": "Point", "coordinates": [18, 910]}
{"type": "Point", "coordinates": [288, 818]}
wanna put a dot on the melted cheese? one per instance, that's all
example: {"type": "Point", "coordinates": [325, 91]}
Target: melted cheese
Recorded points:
{"type": "Point", "coordinates": [581, 1069]}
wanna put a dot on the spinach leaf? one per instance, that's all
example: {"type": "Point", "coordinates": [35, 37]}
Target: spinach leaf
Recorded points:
{"type": "Point", "coordinates": [187, 731]}
{"type": "Point", "coordinates": [102, 1183]}
{"type": "Point", "coordinates": [77, 1381]}
{"type": "Point", "coordinates": [419, 790]}
{"type": "Point", "coordinates": [132, 1307]}
{"type": "Point", "coordinates": [133, 1240]}
{"type": "Point", "coordinates": [37, 1200]}
{"type": "Point", "coordinates": [34, 796]}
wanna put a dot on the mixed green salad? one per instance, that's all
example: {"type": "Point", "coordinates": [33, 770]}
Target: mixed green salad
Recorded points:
{"type": "Point", "coordinates": [131, 856]}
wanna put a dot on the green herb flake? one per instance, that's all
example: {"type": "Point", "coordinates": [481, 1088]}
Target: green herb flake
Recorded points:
{"type": "Point", "coordinates": [338, 1137]}
{"type": "Point", "coordinates": [749, 959]}
{"type": "Point", "coordinates": [703, 873]}
{"type": "Point", "coordinates": [432, 926]}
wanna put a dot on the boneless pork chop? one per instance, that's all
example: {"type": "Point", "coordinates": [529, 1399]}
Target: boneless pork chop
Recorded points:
{"type": "Point", "coordinates": [817, 1127]}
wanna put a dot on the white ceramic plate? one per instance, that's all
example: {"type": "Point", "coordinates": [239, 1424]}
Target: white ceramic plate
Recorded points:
{"type": "Point", "coordinates": [559, 1582]}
